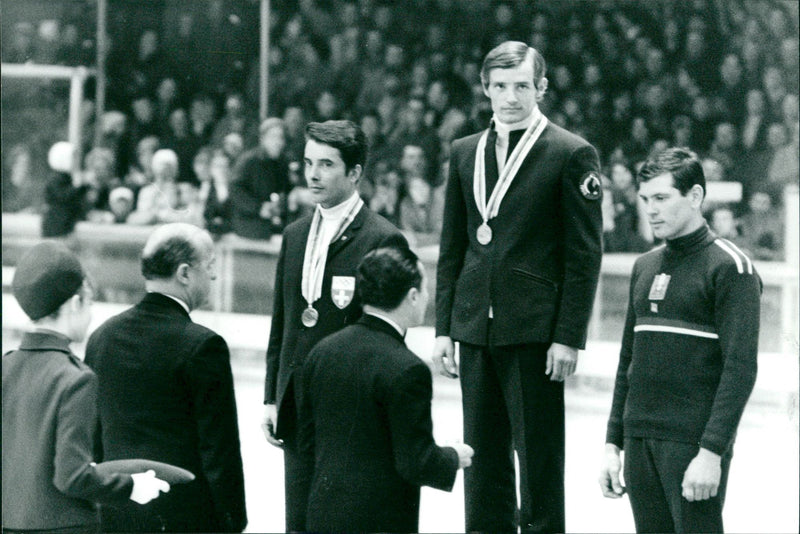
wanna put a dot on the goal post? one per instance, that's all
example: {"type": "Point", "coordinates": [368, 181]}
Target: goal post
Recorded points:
{"type": "Point", "coordinates": [77, 77]}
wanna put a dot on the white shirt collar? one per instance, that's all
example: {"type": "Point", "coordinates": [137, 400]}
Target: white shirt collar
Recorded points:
{"type": "Point", "coordinates": [503, 129]}
{"type": "Point", "coordinates": [337, 212]}
{"type": "Point", "coordinates": [390, 321]}
{"type": "Point", "coordinates": [176, 299]}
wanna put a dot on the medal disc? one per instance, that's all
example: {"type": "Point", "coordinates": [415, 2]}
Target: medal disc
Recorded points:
{"type": "Point", "coordinates": [484, 234]}
{"type": "Point", "coordinates": [309, 317]}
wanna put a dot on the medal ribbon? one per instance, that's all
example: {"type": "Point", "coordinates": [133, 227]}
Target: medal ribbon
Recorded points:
{"type": "Point", "coordinates": [489, 210]}
{"type": "Point", "coordinates": [317, 249]}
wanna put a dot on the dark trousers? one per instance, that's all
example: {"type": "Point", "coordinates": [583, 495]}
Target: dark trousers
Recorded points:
{"type": "Point", "coordinates": [295, 486]}
{"type": "Point", "coordinates": [296, 471]}
{"type": "Point", "coordinates": [511, 404]}
{"type": "Point", "coordinates": [654, 472]}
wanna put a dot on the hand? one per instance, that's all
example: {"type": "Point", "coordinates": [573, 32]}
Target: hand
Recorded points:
{"type": "Point", "coordinates": [701, 480]}
{"type": "Point", "coordinates": [146, 487]}
{"type": "Point", "coordinates": [465, 453]}
{"type": "Point", "coordinates": [266, 211]}
{"type": "Point", "coordinates": [269, 425]}
{"type": "Point", "coordinates": [609, 474]}
{"type": "Point", "coordinates": [561, 361]}
{"type": "Point", "coordinates": [444, 357]}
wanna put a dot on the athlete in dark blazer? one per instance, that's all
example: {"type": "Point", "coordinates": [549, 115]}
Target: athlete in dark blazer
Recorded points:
{"type": "Point", "coordinates": [517, 294]}
{"type": "Point", "coordinates": [365, 414]}
{"type": "Point", "coordinates": [334, 157]}
{"type": "Point", "coordinates": [166, 392]}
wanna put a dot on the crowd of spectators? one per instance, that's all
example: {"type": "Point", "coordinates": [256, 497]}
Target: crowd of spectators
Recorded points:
{"type": "Point", "coordinates": [181, 139]}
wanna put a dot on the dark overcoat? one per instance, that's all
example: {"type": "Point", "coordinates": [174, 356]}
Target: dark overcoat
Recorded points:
{"type": "Point", "coordinates": [166, 394]}
{"type": "Point", "coordinates": [49, 421]}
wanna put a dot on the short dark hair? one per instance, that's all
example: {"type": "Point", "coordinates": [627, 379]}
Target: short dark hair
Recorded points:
{"type": "Point", "coordinates": [345, 136]}
{"type": "Point", "coordinates": [509, 55]}
{"type": "Point", "coordinates": [685, 166]}
{"type": "Point", "coordinates": [385, 276]}
{"type": "Point", "coordinates": [164, 260]}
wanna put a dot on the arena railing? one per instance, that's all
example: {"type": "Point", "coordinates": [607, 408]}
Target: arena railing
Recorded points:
{"type": "Point", "coordinates": [246, 271]}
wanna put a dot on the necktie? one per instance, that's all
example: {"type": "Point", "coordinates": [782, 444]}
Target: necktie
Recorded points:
{"type": "Point", "coordinates": [490, 165]}
{"type": "Point", "coordinates": [513, 139]}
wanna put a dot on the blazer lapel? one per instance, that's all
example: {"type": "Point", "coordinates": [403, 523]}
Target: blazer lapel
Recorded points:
{"type": "Point", "coordinates": [347, 235]}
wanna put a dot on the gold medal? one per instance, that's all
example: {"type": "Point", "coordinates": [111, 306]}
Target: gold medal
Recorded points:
{"type": "Point", "coordinates": [310, 317]}
{"type": "Point", "coordinates": [484, 234]}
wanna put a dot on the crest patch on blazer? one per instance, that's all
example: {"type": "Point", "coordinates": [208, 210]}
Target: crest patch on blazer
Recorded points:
{"type": "Point", "coordinates": [342, 290]}
{"type": "Point", "coordinates": [591, 188]}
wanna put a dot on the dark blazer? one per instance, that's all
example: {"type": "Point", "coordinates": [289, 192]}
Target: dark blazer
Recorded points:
{"type": "Point", "coordinates": [166, 394]}
{"type": "Point", "coordinates": [289, 340]}
{"type": "Point", "coordinates": [49, 422]}
{"type": "Point", "coordinates": [539, 273]}
{"type": "Point", "coordinates": [256, 177]}
{"type": "Point", "coordinates": [365, 422]}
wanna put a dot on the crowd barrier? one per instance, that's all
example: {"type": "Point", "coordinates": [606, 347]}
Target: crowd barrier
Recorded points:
{"type": "Point", "coordinates": [246, 273]}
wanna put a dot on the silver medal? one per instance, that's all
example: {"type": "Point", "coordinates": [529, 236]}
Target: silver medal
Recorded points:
{"type": "Point", "coordinates": [310, 317]}
{"type": "Point", "coordinates": [484, 234]}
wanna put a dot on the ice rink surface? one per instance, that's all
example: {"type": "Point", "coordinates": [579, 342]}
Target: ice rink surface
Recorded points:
{"type": "Point", "coordinates": [762, 491]}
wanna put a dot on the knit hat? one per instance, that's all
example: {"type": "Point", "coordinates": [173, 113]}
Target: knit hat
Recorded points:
{"type": "Point", "coordinates": [45, 278]}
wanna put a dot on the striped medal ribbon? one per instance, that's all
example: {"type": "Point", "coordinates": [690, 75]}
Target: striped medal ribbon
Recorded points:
{"type": "Point", "coordinates": [316, 255]}
{"type": "Point", "coordinates": [488, 210]}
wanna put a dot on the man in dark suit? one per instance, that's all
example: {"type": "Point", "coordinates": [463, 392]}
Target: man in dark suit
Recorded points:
{"type": "Point", "coordinates": [315, 281]}
{"type": "Point", "coordinates": [518, 267]}
{"type": "Point", "coordinates": [166, 391]}
{"type": "Point", "coordinates": [50, 482]}
{"type": "Point", "coordinates": [365, 410]}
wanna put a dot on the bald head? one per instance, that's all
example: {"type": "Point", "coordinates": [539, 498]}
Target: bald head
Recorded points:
{"type": "Point", "coordinates": [178, 260]}
{"type": "Point", "coordinates": [171, 245]}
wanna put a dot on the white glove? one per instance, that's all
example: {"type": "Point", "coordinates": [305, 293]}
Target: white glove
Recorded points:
{"type": "Point", "coordinates": [146, 487]}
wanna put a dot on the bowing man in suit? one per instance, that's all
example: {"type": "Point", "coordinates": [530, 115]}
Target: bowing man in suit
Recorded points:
{"type": "Point", "coordinates": [365, 410]}
{"type": "Point", "coordinates": [315, 282]}
{"type": "Point", "coordinates": [518, 267]}
{"type": "Point", "coordinates": [166, 391]}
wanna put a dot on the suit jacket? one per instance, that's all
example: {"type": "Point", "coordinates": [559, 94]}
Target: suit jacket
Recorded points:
{"type": "Point", "coordinates": [539, 273]}
{"type": "Point", "coordinates": [166, 394]}
{"type": "Point", "coordinates": [49, 421]}
{"type": "Point", "coordinates": [365, 423]}
{"type": "Point", "coordinates": [289, 340]}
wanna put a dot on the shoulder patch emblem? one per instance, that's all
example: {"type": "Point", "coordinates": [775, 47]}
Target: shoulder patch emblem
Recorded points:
{"type": "Point", "coordinates": [590, 187]}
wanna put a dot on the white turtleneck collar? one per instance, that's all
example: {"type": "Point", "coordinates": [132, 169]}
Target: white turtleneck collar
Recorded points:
{"type": "Point", "coordinates": [503, 129]}
{"type": "Point", "coordinates": [338, 211]}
